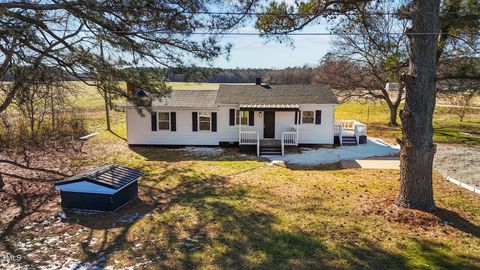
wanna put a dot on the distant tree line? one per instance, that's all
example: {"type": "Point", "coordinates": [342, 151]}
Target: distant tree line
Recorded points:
{"type": "Point", "coordinates": [290, 75]}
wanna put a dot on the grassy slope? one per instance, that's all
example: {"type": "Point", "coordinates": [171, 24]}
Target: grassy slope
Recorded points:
{"type": "Point", "coordinates": [242, 213]}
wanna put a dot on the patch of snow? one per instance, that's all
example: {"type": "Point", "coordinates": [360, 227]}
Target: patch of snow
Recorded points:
{"type": "Point", "coordinates": [84, 212]}
{"type": "Point", "coordinates": [373, 148]}
{"type": "Point", "coordinates": [62, 215]}
{"type": "Point", "coordinates": [71, 263]}
{"type": "Point", "coordinates": [129, 218]}
{"type": "Point", "coordinates": [276, 162]}
{"type": "Point", "coordinates": [203, 150]}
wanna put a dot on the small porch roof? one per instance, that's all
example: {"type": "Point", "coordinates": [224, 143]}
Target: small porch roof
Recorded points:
{"type": "Point", "coordinates": [269, 107]}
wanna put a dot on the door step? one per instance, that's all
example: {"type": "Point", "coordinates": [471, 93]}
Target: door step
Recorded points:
{"type": "Point", "coordinates": [270, 143]}
{"type": "Point", "coordinates": [270, 150]}
{"type": "Point", "coordinates": [349, 141]}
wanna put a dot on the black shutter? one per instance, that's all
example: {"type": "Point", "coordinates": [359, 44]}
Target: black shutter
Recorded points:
{"type": "Point", "coordinates": [299, 117]}
{"type": "Point", "coordinates": [214, 122]}
{"type": "Point", "coordinates": [194, 121]}
{"type": "Point", "coordinates": [318, 117]}
{"type": "Point", "coordinates": [251, 117]}
{"type": "Point", "coordinates": [154, 121]}
{"type": "Point", "coordinates": [232, 117]}
{"type": "Point", "coordinates": [296, 117]}
{"type": "Point", "coordinates": [173, 121]}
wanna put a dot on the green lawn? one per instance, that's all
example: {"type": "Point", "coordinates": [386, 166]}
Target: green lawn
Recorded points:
{"type": "Point", "coordinates": [447, 126]}
{"type": "Point", "coordinates": [234, 212]}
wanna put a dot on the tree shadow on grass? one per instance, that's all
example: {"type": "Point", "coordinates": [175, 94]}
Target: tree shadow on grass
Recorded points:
{"type": "Point", "coordinates": [455, 136]}
{"type": "Point", "coordinates": [207, 221]}
{"type": "Point", "coordinates": [173, 154]}
{"type": "Point", "coordinates": [117, 135]}
{"type": "Point", "coordinates": [436, 255]}
{"type": "Point", "coordinates": [204, 222]}
{"type": "Point", "coordinates": [29, 203]}
{"type": "Point", "coordinates": [457, 221]}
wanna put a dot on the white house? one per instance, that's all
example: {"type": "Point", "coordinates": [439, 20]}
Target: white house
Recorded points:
{"type": "Point", "coordinates": [260, 118]}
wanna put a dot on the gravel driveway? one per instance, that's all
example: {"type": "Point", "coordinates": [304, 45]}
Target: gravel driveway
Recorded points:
{"type": "Point", "coordinates": [459, 162]}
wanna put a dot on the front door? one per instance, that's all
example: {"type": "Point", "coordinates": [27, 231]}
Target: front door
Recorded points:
{"type": "Point", "coordinates": [269, 124]}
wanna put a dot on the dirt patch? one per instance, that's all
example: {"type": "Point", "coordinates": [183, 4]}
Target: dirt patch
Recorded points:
{"type": "Point", "coordinates": [459, 162]}
{"type": "Point", "coordinates": [440, 218]}
{"type": "Point", "coordinates": [391, 212]}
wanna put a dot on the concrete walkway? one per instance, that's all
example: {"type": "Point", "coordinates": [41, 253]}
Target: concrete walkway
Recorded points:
{"type": "Point", "coordinates": [372, 163]}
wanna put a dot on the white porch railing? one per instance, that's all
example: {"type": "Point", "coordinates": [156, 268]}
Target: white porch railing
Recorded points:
{"type": "Point", "coordinates": [338, 132]}
{"type": "Point", "coordinates": [250, 138]}
{"type": "Point", "coordinates": [289, 138]}
{"type": "Point", "coordinates": [358, 129]}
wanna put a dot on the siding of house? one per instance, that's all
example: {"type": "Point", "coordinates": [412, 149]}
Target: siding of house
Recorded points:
{"type": "Point", "coordinates": [139, 127]}
{"type": "Point", "coordinates": [318, 134]}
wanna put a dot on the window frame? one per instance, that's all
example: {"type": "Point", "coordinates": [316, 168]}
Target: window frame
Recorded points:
{"type": "Point", "coordinates": [237, 117]}
{"type": "Point", "coordinates": [163, 121]}
{"type": "Point", "coordinates": [209, 121]}
{"type": "Point", "coordinates": [313, 117]}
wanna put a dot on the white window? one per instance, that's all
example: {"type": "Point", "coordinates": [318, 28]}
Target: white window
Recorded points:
{"type": "Point", "coordinates": [308, 117]}
{"type": "Point", "coordinates": [163, 121]}
{"type": "Point", "coordinates": [242, 115]}
{"type": "Point", "coordinates": [204, 121]}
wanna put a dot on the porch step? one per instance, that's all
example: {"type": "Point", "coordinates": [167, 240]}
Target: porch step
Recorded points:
{"type": "Point", "coordinates": [270, 143]}
{"type": "Point", "coordinates": [270, 150]}
{"type": "Point", "coordinates": [349, 141]}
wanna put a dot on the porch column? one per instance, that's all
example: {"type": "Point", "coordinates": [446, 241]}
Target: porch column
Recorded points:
{"type": "Point", "coordinates": [239, 126]}
{"type": "Point", "coordinates": [298, 126]}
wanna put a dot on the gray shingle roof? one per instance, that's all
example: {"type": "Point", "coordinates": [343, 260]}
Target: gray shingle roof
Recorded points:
{"type": "Point", "coordinates": [290, 94]}
{"type": "Point", "coordinates": [276, 94]}
{"type": "Point", "coordinates": [189, 99]}
{"type": "Point", "coordinates": [111, 176]}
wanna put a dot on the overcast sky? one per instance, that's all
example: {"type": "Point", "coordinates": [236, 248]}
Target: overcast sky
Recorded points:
{"type": "Point", "coordinates": [255, 52]}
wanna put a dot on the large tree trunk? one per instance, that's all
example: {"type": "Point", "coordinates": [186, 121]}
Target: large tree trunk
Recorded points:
{"type": "Point", "coordinates": [417, 148]}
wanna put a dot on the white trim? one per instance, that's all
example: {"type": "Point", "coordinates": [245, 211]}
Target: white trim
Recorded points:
{"type": "Point", "coordinates": [70, 187]}
{"type": "Point", "coordinates": [85, 187]}
{"type": "Point", "coordinates": [463, 185]}
{"type": "Point", "coordinates": [210, 121]}
{"type": "Point", "coordinates": [301, 118]}
{"type": "Point", "coordinates": [237, 111]}
{"type": "Point", "coordinates": [169, 121]}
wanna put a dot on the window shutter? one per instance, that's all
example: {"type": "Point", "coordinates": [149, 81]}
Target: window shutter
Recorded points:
{"type": "Point", "coordinates": [296, 117]}
{"type": "Point", "coordinates": [232, 117]}
{"type": "Point", "coordinates": [214, 122]}
{"type": "Point", "coordinates": [173, 121]}
{"type": "Point", "coordinates": [194, 121]}
{"type": "Point", "coordinates": [154, 121]}
{"type": "Point", "coordinates": [251, 117]}
{"type": "Point", "coordinates": [318, 117]}
{"type": "Point", "coordinates": [299, 117]}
